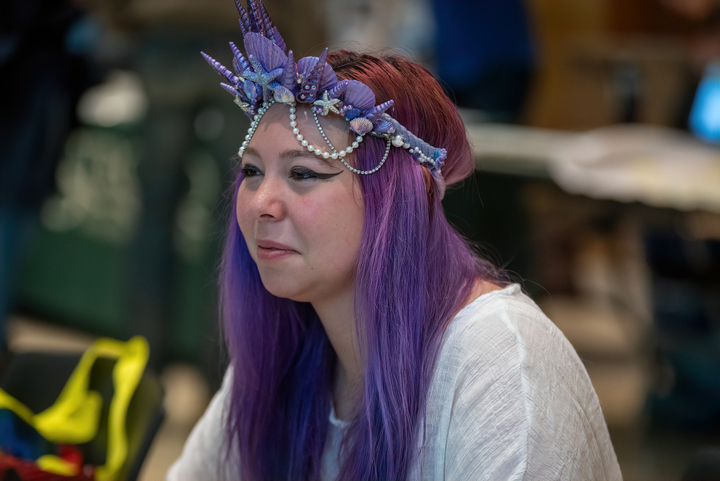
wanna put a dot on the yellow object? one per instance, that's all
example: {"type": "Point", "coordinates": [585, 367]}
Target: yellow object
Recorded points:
{"type": "Point", "coordinates": [56, 465]}
{"type": "Point", "coordinates": [74, 417]}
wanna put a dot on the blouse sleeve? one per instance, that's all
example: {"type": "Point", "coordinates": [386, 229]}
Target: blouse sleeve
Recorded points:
{"type": "Point", "coordinates": [203, 456]}
{"type": "Point", "coordinates": [522, 406]}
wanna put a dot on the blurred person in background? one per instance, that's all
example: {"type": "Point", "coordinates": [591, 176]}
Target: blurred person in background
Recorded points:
{"type": "Point", "coordinates": [366, 339]}
{"type": "Point", "coordinates": [44, 69]}
{"type": "Point", "coordinates": [484, 55]}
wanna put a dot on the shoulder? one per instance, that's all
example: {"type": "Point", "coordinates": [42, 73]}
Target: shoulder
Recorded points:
{"type": "Point", "coordinates": [503, 346]}
{"type": "Point", "coordinates": [506, 378]}
{"type": "Point", "coordinates": [502, 325]}
{"type": "Point", "coordinates": [495, 309]}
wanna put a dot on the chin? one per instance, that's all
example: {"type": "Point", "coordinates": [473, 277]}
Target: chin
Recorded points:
{"type": "Point", "coordinates": [281, 286]}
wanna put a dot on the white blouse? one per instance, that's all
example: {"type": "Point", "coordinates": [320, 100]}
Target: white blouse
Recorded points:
{"type": "Point", "coordinates": [509, 400]}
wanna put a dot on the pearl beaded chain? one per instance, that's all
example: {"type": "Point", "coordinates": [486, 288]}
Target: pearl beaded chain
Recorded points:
{"type": "Point", "coordinates": [253, 126]}
{"type": "Point", "coordinates": [335, 154]}
{"type": "Point", "coordinates": [396, 141]}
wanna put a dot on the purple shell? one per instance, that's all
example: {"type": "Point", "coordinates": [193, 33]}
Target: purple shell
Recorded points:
{"type": "Point", "coordinates": [271, 30]}
{"type": "Point", "coordinates": [384, 127]}
{"type": "Point", "coordinates": [309, 70]}
{"type": "Point", "coordinates": [252, 91]}
{"type": "Point", "coordinates": [268, 54]}
{"type": "Point", "coordinates": [265, 21]}
{"type": "Point", "coordinates": [374, 113]}
{"type": "Point", "coordinates": [306, 64]}
{"type": "Point", "coordinates": [288, 79]}
{"type": "Point", "coordinates": [230, 89]}
{"type": "Point", "coordinates": [310, 74]}
{"type": "Point", "coordinates": [248, 17]}
{"type": "Point", "coordinates": [339, 89]}
{"type": "Point", "coordinates": [361, 125]}
{"type": "Point", "coordinates": [219, 68]}
{"type": "Point", "coordinates": [319, 67]}
{"type": "Point", "coordinates": [245, 23]}
{"type": "Point", "coordinates": [239, 62]}
{"type": "Point", "coordinates": [278, 39]}
{"type": "Point", "coordinates": [256, 17]}
{"type": "Point", "coordinates": [359, 95]}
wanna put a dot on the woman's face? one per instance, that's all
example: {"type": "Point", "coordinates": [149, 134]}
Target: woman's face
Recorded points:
{"type": "Point", "coordinates": [301, 215]}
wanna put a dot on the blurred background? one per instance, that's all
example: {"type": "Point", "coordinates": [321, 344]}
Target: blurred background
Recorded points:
{"type": "Point", "coordinates": [596, 127]}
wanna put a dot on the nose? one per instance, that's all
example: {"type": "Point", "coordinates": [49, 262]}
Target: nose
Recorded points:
{"type": "Point", "coordinates": [268, 203]}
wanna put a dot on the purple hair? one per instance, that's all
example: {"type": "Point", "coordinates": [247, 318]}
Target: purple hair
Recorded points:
{"type": "Point", "coordinates": [414, 272]}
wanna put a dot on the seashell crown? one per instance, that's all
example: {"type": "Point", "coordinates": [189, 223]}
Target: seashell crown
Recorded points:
{"type": "Point", "coordinates": [269, 75]}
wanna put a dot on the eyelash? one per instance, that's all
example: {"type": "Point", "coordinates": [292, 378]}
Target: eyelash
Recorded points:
{"type": "Point", "coordinates": [301, 173]}
{"type": "Point", "coordinates": [250, 171]}
{"type": "Point", "coordinates": [296, 173]}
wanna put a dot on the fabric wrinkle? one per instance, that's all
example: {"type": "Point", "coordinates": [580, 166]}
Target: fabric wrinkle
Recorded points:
{"type": "Point", "coordinates": [506, 401]}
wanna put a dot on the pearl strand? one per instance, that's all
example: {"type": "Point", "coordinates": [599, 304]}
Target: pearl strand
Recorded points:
{"type": "Point", "coordinates": [322, 132]}
{"type": "Point", "coordinates": [371, 171]}
{"type": "Point", "coordinates": [399, 141]}
{"type": "Point", "coordinates": [253, 126]}
{"type": "Point", "coordinates": [317, 150]}
{"type": "Point", "coordinates": [335, 154]}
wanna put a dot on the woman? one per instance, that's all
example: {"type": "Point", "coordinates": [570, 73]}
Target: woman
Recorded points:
{"type": "Point", "coordinates": [366, 339]}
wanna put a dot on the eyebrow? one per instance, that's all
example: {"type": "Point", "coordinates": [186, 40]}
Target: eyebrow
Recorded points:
{"type": "Point", "coordinates": [292, 154]}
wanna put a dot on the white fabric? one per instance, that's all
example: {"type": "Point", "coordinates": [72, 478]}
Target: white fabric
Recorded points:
{"type": "Point", "coordinates": [509, 400]}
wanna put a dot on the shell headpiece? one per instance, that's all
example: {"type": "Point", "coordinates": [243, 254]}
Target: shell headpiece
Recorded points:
{"type": "Point", "coordinates": [269, 75]}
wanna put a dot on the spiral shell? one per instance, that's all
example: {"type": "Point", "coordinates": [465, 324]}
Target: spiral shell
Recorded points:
{"type": "Point", "coordinates": [378, 110]}
{"type": "Point", "coordinates": [289, 76]}
{"type": "Point", "coordinates": [239, 62]}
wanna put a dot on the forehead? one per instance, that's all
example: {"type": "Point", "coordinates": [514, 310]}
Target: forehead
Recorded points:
{"type": "Point", "coordinates": [274, 130]}
{"type": "Point", "coordinates": [295, 152]}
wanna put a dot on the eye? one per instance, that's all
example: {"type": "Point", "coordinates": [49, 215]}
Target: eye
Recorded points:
{"type": "Point", "coordinates": [249, 170]}
{"type": "Point", "coordinates": [303, 173]}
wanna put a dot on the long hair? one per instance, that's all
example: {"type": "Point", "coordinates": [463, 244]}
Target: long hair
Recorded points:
{"type": "Point", "coordinates": [414, 272]}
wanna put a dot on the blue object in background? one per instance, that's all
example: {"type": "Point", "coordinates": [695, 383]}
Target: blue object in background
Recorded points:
{"type": "Point", "coordinates": [705, 113]}
{"type": "Point", "coordinates": [19, 439]}
{"type": "Point", "coordinates": [484, 54]}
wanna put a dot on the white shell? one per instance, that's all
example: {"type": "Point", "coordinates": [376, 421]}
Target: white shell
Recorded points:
{"type": "Point", "coordinates": [283, 95]}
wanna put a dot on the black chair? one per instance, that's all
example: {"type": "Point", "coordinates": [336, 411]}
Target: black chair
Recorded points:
{"type": "Point", "coordinates": [36, 379]}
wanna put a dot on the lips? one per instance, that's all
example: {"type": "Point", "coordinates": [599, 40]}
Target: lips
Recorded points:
{"type": "Point", "coordinates": [268, 244]}
{"type": "Point", "coordinates": [270, 250]}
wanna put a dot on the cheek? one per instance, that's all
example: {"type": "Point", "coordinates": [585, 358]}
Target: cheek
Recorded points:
{"type": "Point", "coordinates": [335, 222]}
{"type": "Point", "coordinates": [241, 214]}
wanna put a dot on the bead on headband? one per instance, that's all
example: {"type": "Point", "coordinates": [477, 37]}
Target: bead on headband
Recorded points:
{"type": "Point", "coordinates": [269, 76]}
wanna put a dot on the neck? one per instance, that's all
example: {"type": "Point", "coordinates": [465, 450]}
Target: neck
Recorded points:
{"type": "Point", "coordinates": [338, 318]}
